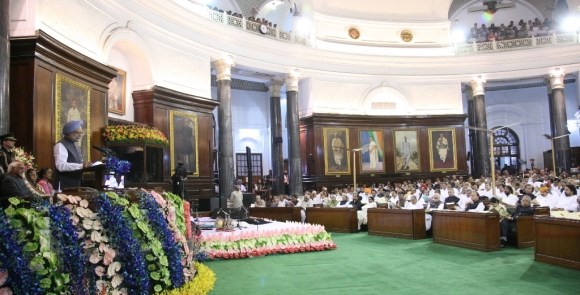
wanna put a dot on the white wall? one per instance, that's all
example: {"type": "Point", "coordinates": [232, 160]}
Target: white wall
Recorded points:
{"type": "Point", "coordinates": [118, 60]}
{"type": "Point", "coordinates": [530, 106]}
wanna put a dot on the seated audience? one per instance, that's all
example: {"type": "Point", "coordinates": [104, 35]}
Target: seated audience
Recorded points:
{"type": "Point", "coordinates": [509, 222]}
{"type": "Point", "coordinates": [567, 201]}
{"type": "Point", "coordinates": [333, 202]}
{"type": "Point", "coordinates": [413, 204]}
{"type": "Point", "coordinates": [495, 206]}
{"type": "Point", "coordinates": [344, 203]}
{"type": "Point", "coordinates": [356, 202]}
{"type": "Point", "coordinates": [474, 204]}
{"type": "Point", "coordinates": [362, 214]}
{"type": "Point", "coordinates": [44, 179]}
{"type": "Point", "coordinates": [305, 203]}
{"type": "Point", "coordinates": [32, 183]}
{"type": "Point", "coordinates": [13, 183]}
{"type": "Point", "coordinates": [436, 204]}
{"type": "Point", "coordinates": [259, 202]}
{"type": "Point", "coordinates": [545, 199]}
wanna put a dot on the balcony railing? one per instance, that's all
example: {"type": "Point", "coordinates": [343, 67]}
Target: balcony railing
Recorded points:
{"type": "Point", "coordinates": [513, 44]}
{"type": "Point", "coordinates": [254, 28]}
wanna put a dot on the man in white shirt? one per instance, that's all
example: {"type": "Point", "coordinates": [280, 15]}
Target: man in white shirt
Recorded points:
{"type": "Point", "coordinates": [413, 204]}
{"type": "Point", "coordinates": [545, 199]}
{"type": "Point", "coordinates": [511, 200]}
{"type": "Point", "coordinates": [474, 205]}
{"type": "Point", "coordinates": [486, 192]}
{"type": "Point", "coordinates": [344, 202]}
{"type": "Point", "coordinates": [305, 203]}
{"type": "Point", "coordinates": [362, 214]}
{"type": "Point", "coordinates": [567, 201]}
{"type": "Point", "coordinates": [443, 192]}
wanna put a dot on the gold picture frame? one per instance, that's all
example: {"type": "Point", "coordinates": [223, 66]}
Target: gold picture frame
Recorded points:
{"type": "Point", "coordinates": [116, 96]}
{"type": "Point", "coordinates": [73, 103]}
{"type": "Point", "coordinates": [440, 159]}
{"type": "Point", "coordinates": [413, 163]}
{"type": "Point", "coordinates": [184, 148]}
{"type": "Point", "coordinates": [366, 155]}
{"type": "Point", "coordinates": [336, 154]}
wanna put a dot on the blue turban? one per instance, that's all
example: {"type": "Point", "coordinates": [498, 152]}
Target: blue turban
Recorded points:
{"type": "Point", "coordinates": [71, 126]}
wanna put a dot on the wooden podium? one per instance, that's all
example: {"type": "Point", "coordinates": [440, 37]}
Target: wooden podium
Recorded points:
{"type": "Point", "coordinates": [99, 171]}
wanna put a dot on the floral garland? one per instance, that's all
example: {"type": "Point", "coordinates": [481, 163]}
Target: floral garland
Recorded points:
{"type": "Point", "coordinates": [202, 284]}
{"type": "Point", "coordinates": [298, 238]}
{"type": "Point", "coordinates": [160, 227]}
{"type": "Point", "coordinates": [134, 133]}
{"type": "Point", "coordinates": [179, 211]}
{"type": "Point", "coordinates": [120, 236]}
{"type": "Point", "coordinates": [156, 260]}
{"type": "Point", "coordinates": [187, 218]}
{"type": "Point", "coordinates": [27, 159]}
{"type": "Point", "coordinates": [64, 231]}
{"type": "Point", "coordinates": [19, 277]}
{"type": "Point", "coordinates": [170, 212]}
{"type": "Point", "coordinates": [118, 166]}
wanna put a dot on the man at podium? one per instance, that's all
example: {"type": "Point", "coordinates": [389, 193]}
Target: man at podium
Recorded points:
{"type": "Point", "coordinates": [68, 157]}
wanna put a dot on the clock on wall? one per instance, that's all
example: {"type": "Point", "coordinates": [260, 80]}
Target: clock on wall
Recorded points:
{"type": "Point", "coordinates": [354, 33]}
{"type": "Point", "coordinates": [263, 29]}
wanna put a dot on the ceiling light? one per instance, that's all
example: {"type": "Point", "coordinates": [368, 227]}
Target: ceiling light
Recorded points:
{"type": "Point", "coordinates": [458, 36]}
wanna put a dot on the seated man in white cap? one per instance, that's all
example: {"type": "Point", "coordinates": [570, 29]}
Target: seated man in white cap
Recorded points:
{"type": "Point", "coordinates": [68, 157]}
{"type": "Point", "coordinates": [362, 214]}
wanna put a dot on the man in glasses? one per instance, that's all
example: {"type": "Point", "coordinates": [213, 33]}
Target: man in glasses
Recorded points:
{"type": "Point", "coordinates": [68, 157]}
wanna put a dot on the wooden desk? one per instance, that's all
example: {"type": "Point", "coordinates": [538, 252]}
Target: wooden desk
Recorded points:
{"type": "Point", "coordinates": [282, 214]}
{"type": "Point", "coordinates": [397, 223]}
{"type": "Point", "coordinates": [525, 228]}
{"type": "Point", "coordinates": [341, 220]}
{"type": "Point", "coordinates": [472, 230]}
{"type": "Point", "coordinates": [557, 241]}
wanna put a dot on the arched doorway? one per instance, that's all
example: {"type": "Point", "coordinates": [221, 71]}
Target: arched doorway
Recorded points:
{"type": "Point", "coordinates": [506, 149]}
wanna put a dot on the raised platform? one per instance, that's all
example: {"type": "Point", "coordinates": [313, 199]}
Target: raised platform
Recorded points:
{"type": "Point", "coordinates": [266, 239]}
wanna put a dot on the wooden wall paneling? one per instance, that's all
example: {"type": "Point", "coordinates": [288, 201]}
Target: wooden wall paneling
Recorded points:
{"type": "Point", "coordinates": [389, 151]}
{"type": "Point", "coordinates": [43, 131]}
{"type": "Point", "coordinates": [21, 87]}
{"type": "Point", "coordinates": [99, 119]}
{"type": "Point", "coordinates": [311, 151]}
{"type": "Point", "coordinates": [304, 151]}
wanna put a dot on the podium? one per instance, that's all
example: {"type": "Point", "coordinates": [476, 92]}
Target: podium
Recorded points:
{"type": "Point", "coordinates": [99, 171]}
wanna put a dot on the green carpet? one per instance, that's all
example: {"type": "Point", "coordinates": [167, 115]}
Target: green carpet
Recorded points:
{"type": "Point", "coordinates": [365, 264]}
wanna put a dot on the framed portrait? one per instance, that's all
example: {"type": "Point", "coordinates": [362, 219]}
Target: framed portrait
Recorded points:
{"type": "Point", "coordinates": [442, 149]}
{"type": "Point", "coordinates": [336, 151]}
{"type": "Point", "coordinates": [407, 157]}
{"type": "Point", "coordinates": [72, 103]}
{"type": "Point", "coordinates": [116, 93]}
{"type": "Point", "coordinates": [183, 141]}
{"type": "Point", "coordinates": [372, 157]}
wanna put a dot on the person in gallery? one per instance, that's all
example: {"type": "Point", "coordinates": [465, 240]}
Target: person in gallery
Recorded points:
{"type": "Point", "coordinates": [337, 150]}
{"type": "Point", "coordinates": [406, 154]}
{"type": "Point", "coordinates": [373, 153]}
{"type": "Point", "coordinates": [6, 155]}
{"type": "Point", "coordinates": [68, 157]}
{"type": "Point", "coordinates": [442, 147]}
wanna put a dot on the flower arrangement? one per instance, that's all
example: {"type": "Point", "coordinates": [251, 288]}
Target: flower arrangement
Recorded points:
{"type": "Point", "coordinates": [27, 159]}
{"type": "Point", "coordinates": [120, 236]}
{"type": "Point", "coordinates": [18, 278]}
{"type": "Point", "coordinates": [118, 166]}
{"type": "Point", "coordinates": [134, 133]}
{"type": "Point", "coordinates": [202, 284]}
{"type": "Point", "coordinates": [296, 238]}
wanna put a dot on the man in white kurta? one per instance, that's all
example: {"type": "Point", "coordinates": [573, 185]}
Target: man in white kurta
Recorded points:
{"type": "Point", "coordinates": [306, 202]}
{"type": "Point", "coordinates": [413, 204]}
{"type": "Point", "coordinates": [362, 214]}
{"type": "Point", "coordinates": [442, 147]}
{"type": "Point", "coordinates": [406, 154]}
{"type": "Point", "coordinates": [337, 150]}
{"type": "Point", "coordinates": [373, 153]}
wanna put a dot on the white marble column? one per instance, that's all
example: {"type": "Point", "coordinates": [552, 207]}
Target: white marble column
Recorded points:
{"type": "Point", "coordinates": [294, 159]}
{"type": "Point", "coordinates": [223, 69]}
{"type": "Point", "coordinates": [559, 120]}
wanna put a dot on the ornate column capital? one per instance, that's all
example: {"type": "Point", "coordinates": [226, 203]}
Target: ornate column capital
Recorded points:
{"type": "Point", "coordinates": [223, 68]}
{"type": "Point", "coordinates": [477, 87]}
{"type": "Point", "coordinates": [274, 87]}
{"type": "Point", "coordinates": [556, 79]}
{"type": "Point", "coordinates": [292, 80]}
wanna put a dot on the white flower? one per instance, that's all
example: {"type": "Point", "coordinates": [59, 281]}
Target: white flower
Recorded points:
{"type": "Point", "coordinates": [87, 223]}
{"type": "Point", "coordinates": [117, 280]}
{"type": "Point", "coordinates": [96, 237]}
{"type": "Point", "coordinates": [95, 258]}
{"type": "Point", "coordinates": [113, 268]}
{"type": "Point", "coordinates": [100, 271]}
{"type": "Point", "coordinates": [84, 203]}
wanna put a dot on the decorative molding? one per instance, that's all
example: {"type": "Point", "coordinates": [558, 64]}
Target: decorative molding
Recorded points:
{"type": "Point", "coordinates": [557, 79]}
{"type": "Point", "coordinates": [223, 68]}
{"type": "Point", "coordinates": [274, 86]}
{"type": "Point", "coordinates": [546, 83]}
{"type": "Point", "coordinates": [477, 87]}
{"type": "Point", "coordinates": [292, 80]}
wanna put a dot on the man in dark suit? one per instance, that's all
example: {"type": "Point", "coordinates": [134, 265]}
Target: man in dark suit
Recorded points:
{"type": "Point", "coordinates": [13, 184]}
{"type": "Point", "coordinates": [524, 209]}
{"type": "Point", "coordinates": [356, 203]}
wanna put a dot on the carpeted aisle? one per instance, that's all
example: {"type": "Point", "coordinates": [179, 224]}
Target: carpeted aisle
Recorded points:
{"type": "Point", "coordinates": [365, 264]}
